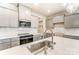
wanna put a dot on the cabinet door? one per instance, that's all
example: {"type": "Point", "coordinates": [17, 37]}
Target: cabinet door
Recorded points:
{"type": "Point", "coordinates": [13, 19]}
{"type": "Point", "coordinates": [36, 37]}
{"type": "Point", "coordinates": [15, 43]}
{"type": "Point", "coordinates": [24, 13]}
{"type": "Point", "coordinates": [4, 46]}
{"type": "Point", "coordinates": [4, 18]}
{"type": "Point", "coordinates": [21, 12]}
{"type": "Point", "coordinates": [1, 47]}
{"type": "Point", "coordinates": [58, 19]}
{"type": "Point", "coordinates": [8, 18]}
{"type": "Point", "coordinates": [34, 22]}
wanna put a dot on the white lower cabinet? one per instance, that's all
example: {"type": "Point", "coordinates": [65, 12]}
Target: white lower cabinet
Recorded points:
{"type": "Point", "coordinates": [36, 37]}
{"type": "Point", "coordinates": [8, 43]}
{"type": "Point", "coordinates": [4, 44]}
{"type": "Point", "coordinates": [1, 46]}
{"type": "Point", "coordinates": [15, 43]}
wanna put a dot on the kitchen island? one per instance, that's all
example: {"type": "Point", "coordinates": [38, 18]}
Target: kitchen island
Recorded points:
{"type": "Point", "coordinates": [21, 50]}
{"type": "Point", "coordinates": [63, 46]}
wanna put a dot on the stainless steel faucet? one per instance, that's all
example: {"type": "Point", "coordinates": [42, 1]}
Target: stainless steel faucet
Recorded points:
{"type": "Point", "coordinates": [51, 43]}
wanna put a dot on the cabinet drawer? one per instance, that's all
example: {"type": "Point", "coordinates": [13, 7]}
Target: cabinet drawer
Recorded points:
{"type": "Point", "coordinates": [6, 40]}
{"type": "Point", "coordinates": [1, 46]}
{"type": "Point", "coordinates": [4, 46]}
{"type": "Point", "coordinates": [15, 43]}
{"type": "Point", "coordinates": [1, 41]}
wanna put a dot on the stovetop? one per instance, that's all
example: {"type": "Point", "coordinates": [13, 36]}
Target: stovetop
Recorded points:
{"type": "Point", "coordinates": [25, 35]}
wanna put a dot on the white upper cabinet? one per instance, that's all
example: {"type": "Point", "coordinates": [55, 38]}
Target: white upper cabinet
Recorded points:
{"type": "Point", "coordinates": [4, 17]}
{"type": "Point", "coordinates": [24, 13]}
{"type": "Point", "coordinates": [34, 22]}
{"type": "Point", "coordinates": [9, 6]}
{"type": "Point", "coordinates": [21, 12]}
{"type": "Point", "coordinates": [58, 19]}
{"type": "Point", "coordinates": [8, 17]}
{"type": "Point", "coordinates": [13, 19]}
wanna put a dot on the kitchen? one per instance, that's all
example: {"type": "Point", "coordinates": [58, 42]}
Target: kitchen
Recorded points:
{"type": "Point", "coordinates": [34, 29]}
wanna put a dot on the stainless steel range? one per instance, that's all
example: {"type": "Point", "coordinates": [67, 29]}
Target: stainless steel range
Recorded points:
{"type": "Point", "coordinates": [25, 38]}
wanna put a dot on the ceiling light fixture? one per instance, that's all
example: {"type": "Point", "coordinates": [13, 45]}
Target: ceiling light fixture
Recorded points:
{"type": "Point", "coordinates": [36, 3]}
{"type": "Point", "coordinates": [71, 7]}
{"type": "Point", "coordinates": [48, 11]}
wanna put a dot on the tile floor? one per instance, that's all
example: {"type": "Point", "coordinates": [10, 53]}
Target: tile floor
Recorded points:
{"type": "Point", "coordinates": [64, 46]}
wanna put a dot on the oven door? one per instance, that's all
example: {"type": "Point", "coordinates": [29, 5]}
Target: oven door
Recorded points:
{"type": "Point", "coordinates": [26, 40]}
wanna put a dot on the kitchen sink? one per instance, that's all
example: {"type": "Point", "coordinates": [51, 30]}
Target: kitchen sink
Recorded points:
{"type": "Point", "coordinates": [38, 47]}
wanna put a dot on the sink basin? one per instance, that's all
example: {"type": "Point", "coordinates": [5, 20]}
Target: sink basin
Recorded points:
{"type": "Point", "coordinates": [38, 47]}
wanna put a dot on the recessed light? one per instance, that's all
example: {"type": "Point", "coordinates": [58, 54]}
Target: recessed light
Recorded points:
{"type": "Point", "coordinates": [48, 10]}
{"type": "Point", "coordinates": [71, 8]}
{"type": "Point", "coordinates": [36, 3]}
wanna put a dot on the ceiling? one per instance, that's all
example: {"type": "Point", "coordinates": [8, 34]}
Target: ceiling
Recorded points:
{"type": "Point", "coordinates": [46, 9]}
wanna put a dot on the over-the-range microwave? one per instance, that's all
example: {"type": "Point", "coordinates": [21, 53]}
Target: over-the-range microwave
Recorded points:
{"type": "Point", "coordinates": [25, 24]}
